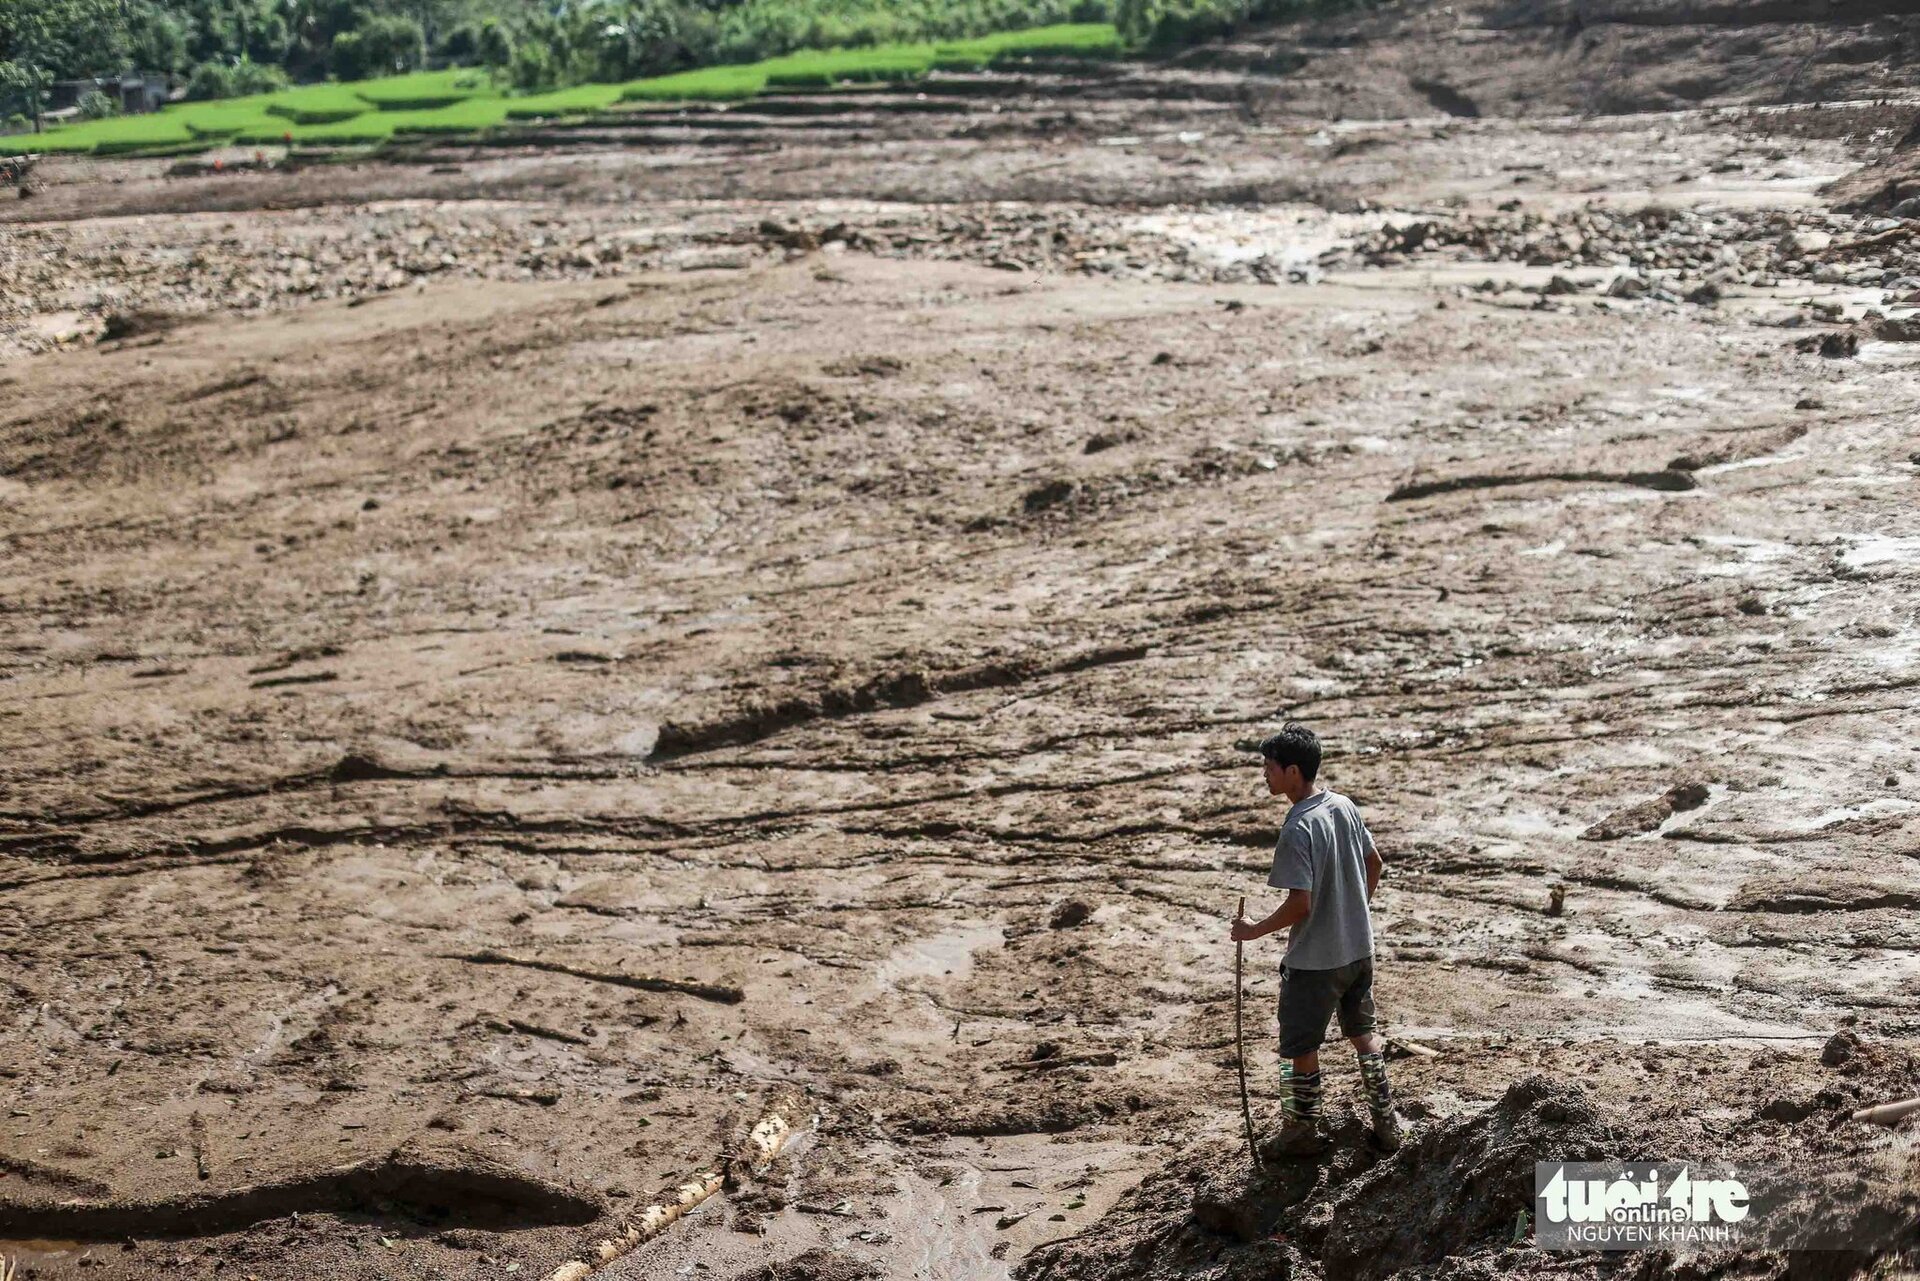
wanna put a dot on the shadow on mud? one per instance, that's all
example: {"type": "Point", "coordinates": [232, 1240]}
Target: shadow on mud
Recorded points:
{"type": "Point", "coordinates": [442, 1192]}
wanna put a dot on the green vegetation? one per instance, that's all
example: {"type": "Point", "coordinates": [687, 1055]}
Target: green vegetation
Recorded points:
{"type": "Point", "coordinates": [425, 90]}
{"type": "Point", "coordinates": [559, 55]}
{"type": "Point", "coordinates": [365, 113]}
{"type": "Point", "coordinates": [237, 48]}
{"type": "Point", "coordinates": [824, 68]}
{"type": "Point", "coordinates": [577, 101]}
{"type": "Point", "coordinates": [1171, 24]}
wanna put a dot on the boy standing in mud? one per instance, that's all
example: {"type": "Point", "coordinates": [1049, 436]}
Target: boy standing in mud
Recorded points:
{"type": "Point", "coordinates": [1326, 861]}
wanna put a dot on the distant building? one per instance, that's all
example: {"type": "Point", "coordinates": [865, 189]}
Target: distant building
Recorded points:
{"type": "Point", "coordinates": [134, 94]}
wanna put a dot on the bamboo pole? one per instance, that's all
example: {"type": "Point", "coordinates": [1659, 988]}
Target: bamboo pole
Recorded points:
{"type": "Point", "coordinates": [763, 1143]}
{"type": "Point", "coordinates": [1240, 1040]}
{"type": "Point", "coordinates": [1888, 1113]}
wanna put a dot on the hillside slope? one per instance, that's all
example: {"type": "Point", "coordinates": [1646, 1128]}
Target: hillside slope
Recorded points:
{"type": "Point", "coordinates": [1550, 57]}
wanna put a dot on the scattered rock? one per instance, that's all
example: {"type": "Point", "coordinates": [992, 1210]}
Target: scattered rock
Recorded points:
{"type": "Point", "coordinates": [357, 767]}
{"type": "Point", "coordinates": [1688, 796]}
{"type": "Point", "coordinates": [1833, 346]}
{"type": "Point", "coordinates": [1799, 244]}
{"type": "Point", "coordinates": [1840, 1048]}
{"type": "Point", "coordinates": [1051, 494]}
{"type": "Point", "coordinates": [136, 324]}
{"type": "Point", "coordinates": [1447, 98]}
{"type": "Point", "coordinates": [1069, 914]}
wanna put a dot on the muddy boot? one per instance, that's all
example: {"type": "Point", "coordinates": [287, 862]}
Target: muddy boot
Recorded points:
{"type": "Point", "coordinates": [1296, 1138]}
{"type": "Point", "coordinates": [1387, 1131]}
{"type": "Point", "coordinates": [1300, 1133]}
{"type": "Point", "coordinates": [1387, 1128]}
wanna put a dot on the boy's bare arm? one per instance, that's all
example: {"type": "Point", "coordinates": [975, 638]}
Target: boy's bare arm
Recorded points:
{"type": "Point", "coordinates": [1289, 914]}
{"type": "Point", "coordinates": [1375, 866]}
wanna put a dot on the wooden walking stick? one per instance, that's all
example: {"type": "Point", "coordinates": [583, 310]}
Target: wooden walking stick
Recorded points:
{"type": "Point", "coordinates": [1240, 1040]}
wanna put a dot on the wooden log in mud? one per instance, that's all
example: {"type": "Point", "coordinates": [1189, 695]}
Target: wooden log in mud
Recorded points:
{"type": "Point", "coordinates": [763, 1144]}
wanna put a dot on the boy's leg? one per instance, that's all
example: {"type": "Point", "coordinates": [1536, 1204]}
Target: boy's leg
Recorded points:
{"type": "Point", "coordinates": [1302, 1080]}
{"type": "Point", "coordinates": [1357, 1024]}
{"type": "Point", "coordinates": [1306, 1003]}
{"type": "Point", "coordinates": [1373, 1073]}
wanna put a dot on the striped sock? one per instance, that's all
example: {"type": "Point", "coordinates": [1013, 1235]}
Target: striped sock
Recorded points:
{"type": "Point", "coordinates": [1303, 1094]}
{"type": "Point", "coordinates": [1373, 1072]}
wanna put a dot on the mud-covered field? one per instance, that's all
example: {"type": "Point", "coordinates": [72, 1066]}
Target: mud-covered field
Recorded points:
{"type": "Point", "coordinates": [522, 666]}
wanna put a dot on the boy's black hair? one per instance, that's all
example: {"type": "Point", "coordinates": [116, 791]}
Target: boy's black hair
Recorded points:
{"type": "Point", "coordinates": [1295, 744]}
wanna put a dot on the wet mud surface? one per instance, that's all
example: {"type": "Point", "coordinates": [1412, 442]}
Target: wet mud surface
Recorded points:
{"type": "Point", "coordinates": [469, 741]}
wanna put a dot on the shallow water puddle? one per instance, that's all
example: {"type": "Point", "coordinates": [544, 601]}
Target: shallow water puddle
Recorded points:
{"type": "Point", "coordinates": [1879, 550]}
{"type": "Point", "coordinates": [945, 955]}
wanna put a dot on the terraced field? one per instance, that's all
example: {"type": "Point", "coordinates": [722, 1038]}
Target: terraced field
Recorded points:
{"type": "Point", "coordinates": [368, 112]}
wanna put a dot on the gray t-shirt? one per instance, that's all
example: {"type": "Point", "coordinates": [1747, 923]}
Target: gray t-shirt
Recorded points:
{"type": "Point", "coordinates": [1323, 849]}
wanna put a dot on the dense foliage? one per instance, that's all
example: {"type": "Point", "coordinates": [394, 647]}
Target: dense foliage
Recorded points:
{"type": "Point", "coordinates": [222, 48]}
{"type": "Point", "coordinates": [1169, 24]}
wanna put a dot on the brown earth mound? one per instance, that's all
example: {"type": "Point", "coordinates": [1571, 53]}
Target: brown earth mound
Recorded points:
{"type": "Point", "coordinates": [1456, 1200]}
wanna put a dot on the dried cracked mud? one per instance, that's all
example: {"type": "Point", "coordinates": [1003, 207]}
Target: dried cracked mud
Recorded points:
{"type": "Point", "coordinates": [471, 744]}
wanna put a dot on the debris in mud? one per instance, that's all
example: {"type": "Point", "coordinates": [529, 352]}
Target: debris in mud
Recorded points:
{"type": "Point", "coordinates": [136, 324]}
{"type": "Point", "coordinates": [813, 1265]}
{"type": "Point", "coordinates": [1054, 1060]}
{"type": "Point", "coordinates": [906, 687]}
{"type": "Point", "coordinates": [1718, 246]}
{"type": "Point", "coordinates": [1063, 1103]}
{"type": "Point", "coordinates": [1833, 346]}
{"type": "Point", "coordinates": [1840, 1048]}
{"type": "Point", "coordinates": [1069, 914]}
{"type": "Point", "coordinates": [1668, 481]}
{"type": "Point", "coordinates": [1889, 1113]}
{"type": "Point", "coordinates": [1636, 820]}
{"type": "Point", "coordinates": [1051, 494]}
{"type": "Point", "coordinates": [725, 993]}
{"type": "Point", "coordinates": [749, 1158]}
{"type": "Point", "coordinates": [1738, 446]}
